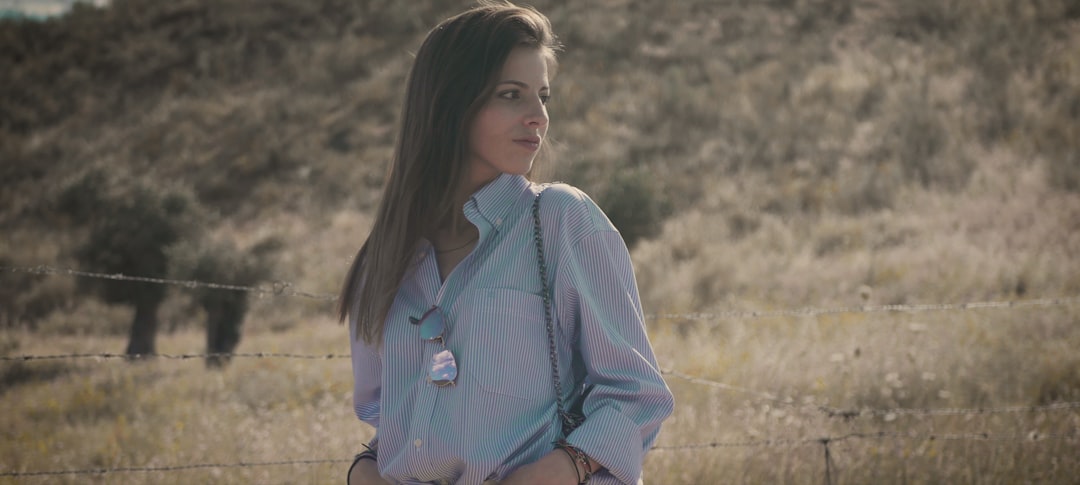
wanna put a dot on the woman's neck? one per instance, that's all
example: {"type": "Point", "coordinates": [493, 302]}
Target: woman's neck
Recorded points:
{"type": "Point", "coordinates": [469, 188]}
{"type": "Point", "coordinates": [454, 226]}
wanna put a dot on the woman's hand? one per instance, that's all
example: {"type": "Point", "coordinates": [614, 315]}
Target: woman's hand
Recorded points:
{"type": "Point", "coordinates": [555, 468]}
{"type": "Point", "coordinates": [366, 472]}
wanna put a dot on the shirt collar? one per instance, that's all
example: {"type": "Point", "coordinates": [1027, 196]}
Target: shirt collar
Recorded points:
{"type": "Point", "coordinates": [494, 200]}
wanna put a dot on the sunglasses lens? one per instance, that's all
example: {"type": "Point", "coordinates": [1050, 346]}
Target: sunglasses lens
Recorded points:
{"type": "Point", "coordinates": [443, 368]}
{"type": "Point", "coordinates": [432, 325]}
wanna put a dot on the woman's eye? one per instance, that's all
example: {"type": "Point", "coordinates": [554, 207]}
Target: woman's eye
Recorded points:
{"type": "Point", "coordinates": [515, 94]}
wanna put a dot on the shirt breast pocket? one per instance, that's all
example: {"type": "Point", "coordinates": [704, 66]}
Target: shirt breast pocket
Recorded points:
{"type": "Point", "coordinates": [507, 349]}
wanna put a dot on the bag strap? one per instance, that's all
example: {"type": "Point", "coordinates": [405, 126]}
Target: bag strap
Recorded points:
{"type": "Point", "coordinates": [569, 421]}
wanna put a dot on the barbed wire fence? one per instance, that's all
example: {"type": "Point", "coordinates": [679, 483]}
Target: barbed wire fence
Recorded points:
{"type": "Point", "coordinates": [286, 289]}
{"type": "Point", "coordinates": [782, 442]}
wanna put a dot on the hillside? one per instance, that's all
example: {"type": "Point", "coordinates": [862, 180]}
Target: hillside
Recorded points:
{"type": "Point", "coordinates": [817, 119]}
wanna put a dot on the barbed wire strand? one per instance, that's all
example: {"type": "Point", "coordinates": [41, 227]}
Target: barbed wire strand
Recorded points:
{"type": "Point", "coordinates": [897, 308]}
{"type": "Point", "coordinates": [777, 442]}
{"type": "Point", "coordinates": [278, 288]}
{"type": "Point", "coordinates": [284, 288]}
{"type": "Point", "coordinates": [108, 356]}
{"type": "Point", "coordinates": [829, 411]}
{"type": "Point", "coordinates": [170, 468]}
{"type": "Point", "coordinates": [726, 387]}
{"type": "Point", "coordinates": [853, 413]}
{"type": "Point", "coordinates": [865, 412]}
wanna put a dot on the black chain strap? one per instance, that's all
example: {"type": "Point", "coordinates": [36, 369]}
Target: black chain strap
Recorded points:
{"type": "Point", "coordinates": [568, 420]}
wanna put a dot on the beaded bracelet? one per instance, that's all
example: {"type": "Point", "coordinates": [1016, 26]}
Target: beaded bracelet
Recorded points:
{"type": "Point", "coordinates": [577, 456]}
{"type": "Point", "coordinates": [573, 462]}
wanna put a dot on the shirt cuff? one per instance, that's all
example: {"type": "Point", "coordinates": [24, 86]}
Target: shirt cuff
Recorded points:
{"type": "Point", "coordinates": [605, 436]}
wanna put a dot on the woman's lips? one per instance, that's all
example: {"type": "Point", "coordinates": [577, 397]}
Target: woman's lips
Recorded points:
{"type": "Point", "coordinates": [530, 142]}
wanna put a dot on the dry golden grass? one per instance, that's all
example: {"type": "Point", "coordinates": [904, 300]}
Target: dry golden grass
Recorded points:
{"type": "Point", "coordinates": [972, 359]}
{"type": "Point", "coordinates": [90, 414]}
{"type": "Point", "coordinates": [110, 413]}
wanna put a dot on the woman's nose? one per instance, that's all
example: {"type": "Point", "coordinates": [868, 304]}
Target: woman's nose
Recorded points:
{"type": "Point", "coordinates": [537, 116]}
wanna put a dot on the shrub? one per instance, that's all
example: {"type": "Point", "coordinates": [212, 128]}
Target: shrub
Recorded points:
{"type": "Point", "coordinates": [225, 309]}
{"type": "Point", "coordinates": [1057, 131]}
{"type": "Point", "coordinates": [635, 206]}
{"type": "Point", "coordinates": [915, 139]}
{"type": "Point", "coordinates": [130, 237]}
{"type": "Point", "coordinates": [917, 19]}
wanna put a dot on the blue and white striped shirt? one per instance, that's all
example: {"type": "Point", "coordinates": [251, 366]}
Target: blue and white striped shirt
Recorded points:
{"type": "Point", "coordinates": [501, 413]}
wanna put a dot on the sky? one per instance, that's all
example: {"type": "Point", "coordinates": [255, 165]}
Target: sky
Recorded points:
{"type": "Point", "coordinates": [40, 8]}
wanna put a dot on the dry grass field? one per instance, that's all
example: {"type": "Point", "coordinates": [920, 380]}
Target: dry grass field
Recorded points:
{"type": "Point", "coordinates": [812, 189]}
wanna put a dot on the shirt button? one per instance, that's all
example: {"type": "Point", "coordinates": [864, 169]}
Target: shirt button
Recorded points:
{"type": "Point", "coordinates": [418, 443]}
{"type": "Point", "coordinates": [498, 222]}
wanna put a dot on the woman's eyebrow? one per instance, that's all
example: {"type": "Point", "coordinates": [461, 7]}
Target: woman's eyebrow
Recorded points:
{"type": "Point", "coordinates": [520, 84]}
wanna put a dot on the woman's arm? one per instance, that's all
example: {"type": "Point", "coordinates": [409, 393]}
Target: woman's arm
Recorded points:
{"type": "Point", "coordinates": [367, 379]}
{"type": "Point", "coordinates": [555, 468]}
{"type": "Point", "coordinates": [629, 398]}
{"type": "Point", "coordinates": [367, 385]}
{"type": "Point", "coordinates": [365, 471]}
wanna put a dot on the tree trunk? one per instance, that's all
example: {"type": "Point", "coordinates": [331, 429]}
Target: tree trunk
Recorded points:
{"type": "Point", "coordinates": [143, 329]}
{"type": "Point", "coordinates": [223, 319]}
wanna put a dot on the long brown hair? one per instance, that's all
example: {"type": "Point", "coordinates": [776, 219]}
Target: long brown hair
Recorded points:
{"type": "Point", "coordinates": [451, 77]}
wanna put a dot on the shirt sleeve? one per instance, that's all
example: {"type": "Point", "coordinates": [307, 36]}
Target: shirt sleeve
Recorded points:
{"type": "Point", "coordinates": [629, 398]}
{"type": "Point", "coordinates": [367, 378]}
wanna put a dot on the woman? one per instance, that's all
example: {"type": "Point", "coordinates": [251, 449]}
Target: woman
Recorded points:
{"type": "Point", "coordinates": [450, 346]}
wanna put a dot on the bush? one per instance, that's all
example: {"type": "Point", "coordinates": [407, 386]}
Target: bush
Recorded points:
{"type": "Point", "coordinates": [225, 309]}
{"type": "Point", "coordinates": [130, 236]}
{"type": "Point", "coordinates": [633, 202]}
{"type": "Point", "coordinates": [917, 19]}
{"type": "Point", "coordinates": [915, 139]}
{"type": "Point", "coordinates": [1057, 131]}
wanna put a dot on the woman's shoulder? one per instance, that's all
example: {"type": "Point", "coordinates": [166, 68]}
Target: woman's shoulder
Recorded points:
{"type": "Point", "coordinates": [571, 206]}
{"type": "Point", "coordinates": [563, 193]}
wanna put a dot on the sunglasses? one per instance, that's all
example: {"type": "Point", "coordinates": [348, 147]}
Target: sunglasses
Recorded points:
{"type": "Point", "coordinates": [443, 370]}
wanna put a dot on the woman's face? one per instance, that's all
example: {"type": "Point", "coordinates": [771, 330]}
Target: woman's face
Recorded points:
{"type": "Point", "coordinates": [511, 125]}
